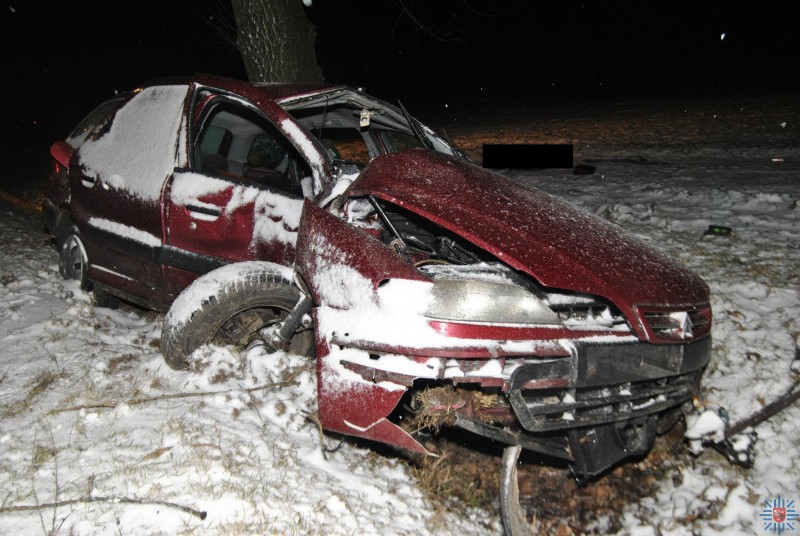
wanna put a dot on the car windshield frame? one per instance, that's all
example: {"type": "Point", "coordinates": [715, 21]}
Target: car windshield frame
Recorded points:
{"type": "Point", "coordinates": [348, 108]}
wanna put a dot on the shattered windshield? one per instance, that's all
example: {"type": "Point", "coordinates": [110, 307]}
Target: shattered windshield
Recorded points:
{"type": "Point", "coordinates": [355, 128]}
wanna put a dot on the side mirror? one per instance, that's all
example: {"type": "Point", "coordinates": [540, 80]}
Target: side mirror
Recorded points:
{"type": "Point", "coordinates": [62, 152]}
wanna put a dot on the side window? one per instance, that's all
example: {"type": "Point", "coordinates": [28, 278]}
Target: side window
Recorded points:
{"type": "Point", "coordinates": [213, 147]}
{"type": "Point", "coordinates": [215, 140]}
{"type": "Point", "coordinates": [237, 142]}
{"type": "Point", "coordinates": [136, 150]}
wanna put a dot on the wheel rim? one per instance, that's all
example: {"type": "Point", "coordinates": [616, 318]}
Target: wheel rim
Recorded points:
{"type": "Point", "coordinates": [74, 259]}
{"type": "Point", "coordinates": [243, 327]}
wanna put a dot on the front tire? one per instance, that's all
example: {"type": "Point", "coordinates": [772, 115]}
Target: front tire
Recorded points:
{"type": "Point", "coordinates": [228, 306]}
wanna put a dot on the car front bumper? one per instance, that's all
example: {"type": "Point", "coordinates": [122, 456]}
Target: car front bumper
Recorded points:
{"type": "Point", "coordinates": [591, 402]}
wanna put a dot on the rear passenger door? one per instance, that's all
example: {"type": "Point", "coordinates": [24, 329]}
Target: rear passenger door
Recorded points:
{"type": "Point", "coordinates": [239, 199]}
{"type": "Point", "coordinates": [116, 188]}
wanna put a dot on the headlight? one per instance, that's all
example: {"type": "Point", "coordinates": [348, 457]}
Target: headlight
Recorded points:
{"type": "Point", "coordinates": [482, 301]}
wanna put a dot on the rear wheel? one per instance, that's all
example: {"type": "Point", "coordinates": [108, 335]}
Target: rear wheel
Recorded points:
{"type": "Point", "coordinates": [73, 262]}
{"type": "Point", "coordinates": [229, 306]}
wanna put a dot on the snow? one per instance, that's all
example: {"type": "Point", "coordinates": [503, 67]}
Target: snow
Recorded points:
{"type": "Point", "coordinates": [342, 183]}
{"type": "Point", "coordinates": [307, 147]}
{"type": "Point", "coordinates": [252, 460]}
{"type": "Point", "coordinates": [707, 425]}
{"type": "Point", "coordinates": [276, 218]}
{"type": "Point", "coordinates": [209, 285]}
{"type": "Point", "coordinates": [341, 380]}
{"type": "Point", "coordinates": [489, 272]}
{"type": "Point", "coordinates": [355, 311]}
{"type": "Point", "coordinates": [125, 230]}
{"type": "Point", "coordinates": [188, 187]}
{"type": "Point", "coordinates": [395, 363]}
{"type": "Point", "coordinates": [147, 124]}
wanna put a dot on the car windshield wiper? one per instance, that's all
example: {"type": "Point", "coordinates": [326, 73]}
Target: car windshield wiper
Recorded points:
{"type": "Point", "coordinates": [457, 152]}
{"type": "Point", "coordinates": [416, 128]}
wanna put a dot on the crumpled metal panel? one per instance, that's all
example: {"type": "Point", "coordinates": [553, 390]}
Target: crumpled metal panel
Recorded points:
{"type": "Point", "coordinates": [348, 403]}
{"type": "Point", "coordinates": [553, 241]}
{"type": "Point", "coordinates": [353, 406]}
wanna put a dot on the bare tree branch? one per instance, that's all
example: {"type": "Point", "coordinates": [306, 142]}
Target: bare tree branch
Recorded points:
{"type": "Point", "coordinates": [220, 19]}
{"type": "Point", "coordinates": [431, 31]}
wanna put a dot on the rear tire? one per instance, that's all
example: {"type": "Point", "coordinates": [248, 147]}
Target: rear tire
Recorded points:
{"type": "Point", "coordinates": [228, 306]}
{"type": "Point", "coordinates": [73, 263]}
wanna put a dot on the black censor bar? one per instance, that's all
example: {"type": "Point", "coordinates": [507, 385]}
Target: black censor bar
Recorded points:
{"type": "Point", "coordinates": [527, 156]}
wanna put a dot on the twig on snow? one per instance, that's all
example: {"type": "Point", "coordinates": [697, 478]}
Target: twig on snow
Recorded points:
{"type": "Point", "coordinates": [145, 400]}
{"type": "Point", "coordinates": [33, 487]}
{"type": "Point", "coordinates": [90, 499]}
{"type": "Point", "coordinates": [313, 417]}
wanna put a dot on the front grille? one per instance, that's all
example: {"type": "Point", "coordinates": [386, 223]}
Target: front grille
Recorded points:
{"type": "Point", "coordinates": [607, 383]}
{"type": "Point", "coordinates": [701, 321]}
{"type": "Point", "coordinates": [677, 325]}
{"type": "Point", "coordinates": [549, 410]}
{"type": "Point", "coordinates": [583, 311]}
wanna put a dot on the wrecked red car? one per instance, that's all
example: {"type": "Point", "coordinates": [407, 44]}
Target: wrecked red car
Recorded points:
{"type": "Point", "coordinates": [325, 222]}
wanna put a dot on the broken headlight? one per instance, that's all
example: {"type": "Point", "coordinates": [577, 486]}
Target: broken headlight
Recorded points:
{"type": "Point", "coordinates": [484, 301]}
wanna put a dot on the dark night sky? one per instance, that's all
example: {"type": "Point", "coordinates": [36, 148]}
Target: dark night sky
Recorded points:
{"type": "Point", "coordinates": [61, 58]}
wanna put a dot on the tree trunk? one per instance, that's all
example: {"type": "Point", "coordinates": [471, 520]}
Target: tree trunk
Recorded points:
{"type": "Point", "coordinates": [276, 41]}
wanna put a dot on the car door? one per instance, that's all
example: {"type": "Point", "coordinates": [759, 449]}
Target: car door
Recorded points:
{"type": "Point", "coordinates": [116, 191]}
{"type": "Point", "coordinates": [240, 198]}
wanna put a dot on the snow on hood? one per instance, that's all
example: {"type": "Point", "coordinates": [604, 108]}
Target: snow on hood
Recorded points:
{"type": "Point", "coordinates": [553, 241]}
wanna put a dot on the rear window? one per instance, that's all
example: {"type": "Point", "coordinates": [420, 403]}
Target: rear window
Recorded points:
{"type": "Point", "coordinates": [94, 121]}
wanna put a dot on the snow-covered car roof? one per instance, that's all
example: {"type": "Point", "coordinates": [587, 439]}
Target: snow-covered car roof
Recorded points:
{"type": "Point", "coordinates": [273, 90]}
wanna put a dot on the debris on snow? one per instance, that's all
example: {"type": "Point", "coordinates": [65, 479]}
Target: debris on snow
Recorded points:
{"type": "Point", "coordinates": [708, 426]}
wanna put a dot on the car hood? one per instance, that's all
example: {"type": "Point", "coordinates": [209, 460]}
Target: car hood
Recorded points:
{"type": "Point", "coordinates": [555, 242]}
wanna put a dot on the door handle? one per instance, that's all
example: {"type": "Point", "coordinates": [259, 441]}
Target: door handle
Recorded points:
{"type": "Point", "coordinates": [208, 210]}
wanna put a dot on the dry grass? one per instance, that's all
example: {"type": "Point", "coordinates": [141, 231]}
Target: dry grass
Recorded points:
{"type": "Point", "coordinates": [36, 388]}
{"type": "Point", "coordinates": [115, 364]}
{"type": "Point", "coordinates": [462, 478]}
{"type": "Point", "coordinates": [437, 406]}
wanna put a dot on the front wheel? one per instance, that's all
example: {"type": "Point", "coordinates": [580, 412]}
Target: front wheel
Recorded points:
{"type": "Point", "coordinates": [229, 306]}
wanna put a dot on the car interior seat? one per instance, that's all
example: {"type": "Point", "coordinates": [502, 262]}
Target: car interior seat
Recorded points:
{"type": "Point", "coordinates": [213, 163]}
{"type": "Point", "coordinates": [267, 161]}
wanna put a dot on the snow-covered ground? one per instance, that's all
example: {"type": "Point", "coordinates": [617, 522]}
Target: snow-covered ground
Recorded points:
{"type": "Point", "coordinates": [93, 419]}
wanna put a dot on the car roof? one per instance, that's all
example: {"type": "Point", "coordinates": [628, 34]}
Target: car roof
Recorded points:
{"type": "Point", "coordinates": [274, 91]}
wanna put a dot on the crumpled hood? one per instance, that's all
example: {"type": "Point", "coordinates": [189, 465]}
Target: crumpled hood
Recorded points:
{"type": "Point", "coordinates": [557, 243]}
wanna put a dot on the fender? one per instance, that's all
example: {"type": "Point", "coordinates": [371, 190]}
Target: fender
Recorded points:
{"type": "Point", "coordinates": [348, 403]}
